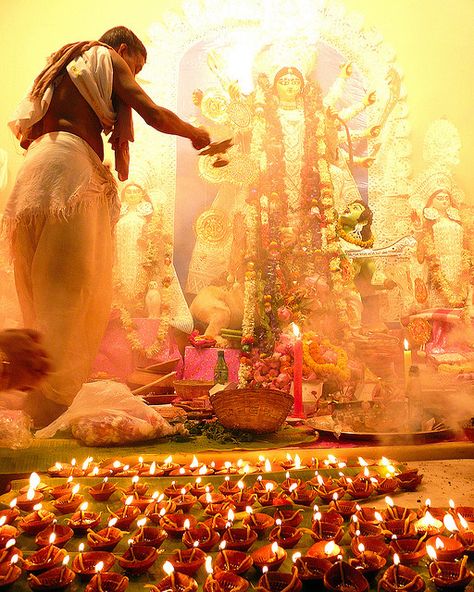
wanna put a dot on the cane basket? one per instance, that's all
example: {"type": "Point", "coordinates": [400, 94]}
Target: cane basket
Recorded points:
{"type": "Point", "coordinates": [253, 410]}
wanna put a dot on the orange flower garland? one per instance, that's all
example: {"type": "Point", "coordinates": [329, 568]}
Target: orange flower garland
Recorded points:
{"type": "Point", "coordinates": [313, 359]}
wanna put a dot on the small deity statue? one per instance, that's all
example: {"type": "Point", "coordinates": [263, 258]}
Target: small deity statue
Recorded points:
{"type": "Point", "coordinates": [442, 249]}
{"type": "Point", "coordinates": [354, 229]}
{"type": "Point", "coordinates": [135, 212]}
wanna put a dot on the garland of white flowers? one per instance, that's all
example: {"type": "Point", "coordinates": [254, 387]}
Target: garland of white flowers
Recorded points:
{"type": "Point", "coordinates": [157, 264]}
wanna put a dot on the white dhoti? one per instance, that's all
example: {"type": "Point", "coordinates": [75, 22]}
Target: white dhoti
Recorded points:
{"type": "Point", "coordinates": [60, 218]}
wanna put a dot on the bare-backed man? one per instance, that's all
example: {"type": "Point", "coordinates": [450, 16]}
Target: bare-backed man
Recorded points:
{"type": "Point", "coordinates": [64, 204]}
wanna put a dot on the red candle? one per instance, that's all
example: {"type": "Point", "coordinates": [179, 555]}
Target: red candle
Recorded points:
{"type": "Point", "coordinates": [298, 374]}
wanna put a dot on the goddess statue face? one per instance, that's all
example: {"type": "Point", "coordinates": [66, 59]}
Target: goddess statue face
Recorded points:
{"type": "Point", "coordinates": [288, 85]}
{"type": "Point", "coordinates": [440, 201]}
{"type": "Point", "coordinates": [133, 194]}
{"type": "Point", "coordinates": [352, 214]}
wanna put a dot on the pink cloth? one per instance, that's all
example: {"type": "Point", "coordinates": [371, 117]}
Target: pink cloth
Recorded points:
{"type": "Point", "coordinates": [117, 358]}
{"type": "Point", "coordinates": [199, 364]}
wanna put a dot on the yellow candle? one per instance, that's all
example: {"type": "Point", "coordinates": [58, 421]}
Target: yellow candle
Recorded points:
{"type": "Point", "coordinates": [406, 359]}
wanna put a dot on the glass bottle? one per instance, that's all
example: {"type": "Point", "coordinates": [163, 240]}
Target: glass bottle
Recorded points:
{"type": "Point", "coordinates": [221, 371]}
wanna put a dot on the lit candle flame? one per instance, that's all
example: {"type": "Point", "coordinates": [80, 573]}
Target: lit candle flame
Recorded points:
{"type": "Point", "coordinates": [30, 494]}
{"type": "Point", "coordinates": [81, 547]}
{"type": "Point", "coordinates": [439, 543]}
{"type": "Point", "coordinates": [406, 345]}
{"type": "Point", "coordinates": [66, 560]}
{"type": "Point", "coordinates": [13, 503]}
{"type": "Point", "coordinates": [99, 567]}
{"type": "Point", "coordinates": [249, 510]}
{"type": "Point", "coordinates": [141, 522]}
{"type": "Point", "coordinates": [230, 515]}
{"type": "Point", "coordinates": [194, 464]}
{"type": "Point", "coordinates": [449, 523]}
{"type": "Point", "coordinates": [268, 466]}
{"type": "Point", "coordinates": [83, 507]}
{"type": "Point", "coordinates": [112, 522]}
{"type": "Point", "coordinates": [186, 524]}
{"type": "Point", "coordinates": [153, 468]}
{"type": "Point", "coordinates": [222, 545]}
{"type": "Point", "coordinates": [10, 543]}
{"type": "Point", "coordinates": [129, 500]}
{"type": "Point", "coordinates": [168, 568]}
{"type": "Point", "coordinates": [295, 556]}
{"type": "Point", "coordinates": [52, 538]}
{"type": "Point", "coordinates": [361, 547]}
{"type": "Point", "coordinates": [389, 501]}
{"type": "Point", "coordinates": [274, 548]}
{"type": "Point", "coordinates": [34, 480]}
{"type": "Point", "coordinates": [329, 548]}
{"type": "Point", "coordinates": [463, 522]}
{"type": "Point", "coordinates": [431, 552]}
{"type": "Point", "coordinates": [396, 559]}
{"type": "Point", "coordinates": [209, 565]}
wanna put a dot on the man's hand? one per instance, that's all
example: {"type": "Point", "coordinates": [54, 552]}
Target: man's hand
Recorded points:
{"type": "Point", "coordinates": [27, 361]}
{"type": "Point", "coordinates": [200, 138]}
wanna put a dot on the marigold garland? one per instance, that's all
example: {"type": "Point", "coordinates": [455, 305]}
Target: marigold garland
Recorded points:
{"type": "Point", "coordinates": [339, 370]}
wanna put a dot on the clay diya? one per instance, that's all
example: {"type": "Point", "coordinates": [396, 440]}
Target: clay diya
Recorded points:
{"type": "Point", "coordinates": [242, 500]}
{"type": "Point", "coordinates": [136, 487]}
{"type": "Point", "coordinates": [399, 528]}
{"type": "Point", "coordinates": [28, 500]}
{"type": "Point", "coordinates": [174, 582]}
{"type": "Point", "coordinates": [217, 522]}
{"type": "Point", "coordinates": [291, 463]}
{"type": "Point", "coordinates": [258, 521]}
{"type": "Point", "coordinates": [46, 558]}
{"type": "Point", "coordinates": [102, 491]}
{"type": "Point", "coordinates": [61, 532]}
{"type": "Point", "coordinates": [106, 539]}
{"type": "Point", "coordinates": [409, 480]}
{"type": "Point", "coordinates": [151, 470]}
{"type": "Point", "coordinates": [107, 582]}
{"type": "Point", "coordinates": [387, 486]}
{"type": "Point", "coordinates": [271, 556]}
{"type": "Point", "coordinates": [176, 489]}
{"type": "Point", "coordinates": [184, 502]}
{"type": "Point", "coordinates": [201, 535]}
{"type": "Point", "coordinates": [238, 562]}
{"type": "Point", "coordinates": [326, 493]}
{"type": "Point", "coordinates": [401, 577]}
{"type": "Point", "coordinates": [63, 489]}
{"type": "Point", "coordinates": [323, 530]}
{"type": "Point", "coordinates": [224, 581]}
{"type": "Point", "coordinates": [229, 487]}
{"type": "Point", "coordinates": [239, 539]}
{"type": "Point", "coordinates": [410, 551]}
{"type": "Point", "coordinates": [429, 525]}
{"type": "Point", "coordinates": [176, 524]}
{"type": "Point", "coordinates": [84, 564]}
{"type": "Point", "coordinates": [286, 536]}
{"type": "Point", "coordinates": [311, 569]}
{"type": "Point", "coordinates": [135, 500]}
{"type": "Point", "coordinates": [393, 512]}
{"type": "Point", "coordinates": [372, 544]}
{"type": "Point", "coordinates": [364, 528]}
{"type": "Point", "coordinates": [168, 465]}
{"type": "Point", "coordinates": [302, 497]}
{"type": "Point", "coordinates": [7, 532]}
{"type": "Point", "coordinates": [97, 471]}
{"type": "Point", "coordinates": [138, 559]}
{"type": "Point", "coordinates": [325, 550]}
{"type": "Point", "coordinates": [288, 517]}
{"type": "Point", "coordinates": [448, 575]}
{"type": "Point", "coordinates": [227, 468]}
{"type": "Point", "coordinates": [360, 489]}
{"type": "Point", "coordinates": [7, 553]}
{"type": "Point", "coordinates": [365, 514]}
{"type": "Point", "coordinates": [126, 514]}
{"type": "Point", "coordinates": [198, 488]}
{"type": "Point", "coordinates": [36, 521]}
{"type": "Point", "coordinates": [158, 508]}
{"type": "Point", "coordinates": [211, 498]}
{"type": "Point", "coordinates": [66, 504]}
{"type": "Point", "coordinates": [150, 536]}
{"type": "Point", "coordinates": [261, 486]}
{"type": "Point", "coordinates": [342, 576]}
{"type": "Point", "coordinates": [82, 521]}
{"type": "Point", "coordinates": [291, 483]}
{"type": "Point", "coordinates": [275, 581]}
{"type": "Point", "coordinates": [221, 508]}
{"type": "Point", "coordinates": [57, 578]}
{"type": "Point", "coordinates": [367, 562]}
{"type": "Point", "coordinates": [343, 507]}
{"type": "Point", "coordinates": [274, 498]}
{"type": "Point", "coordinates": [10, 514]}
{"type": "Point", "coordinates": [447, 548]}
{"type": "Point", "coordinates": [9, 572]}
{"type": "Point", "coordinates": [188, 561]}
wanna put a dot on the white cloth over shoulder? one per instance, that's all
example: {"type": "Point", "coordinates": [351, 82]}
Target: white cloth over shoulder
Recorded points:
{"type": "Point", "coordinates": [92, 73]}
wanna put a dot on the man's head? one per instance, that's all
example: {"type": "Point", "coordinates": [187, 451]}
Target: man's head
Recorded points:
{"type": "Point", "coordinates": [127, 45]}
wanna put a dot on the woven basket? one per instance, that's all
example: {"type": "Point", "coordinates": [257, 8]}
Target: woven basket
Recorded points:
{"type": "Point", "coordinates": [253, 410]}
{"type": "Point", "coordinates": [192, 389]}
